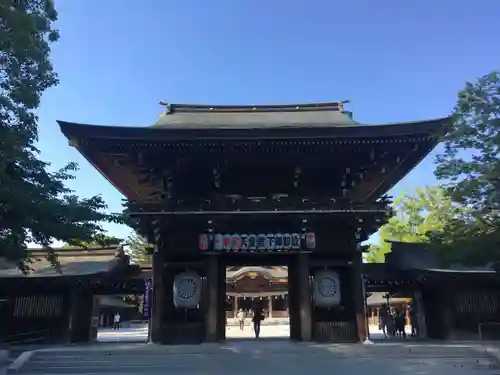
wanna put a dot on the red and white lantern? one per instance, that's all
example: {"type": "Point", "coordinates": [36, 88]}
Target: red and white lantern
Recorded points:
{"type": "Point", "coordinates": [227, 242]}
{"type": "Point", "coordinates": [310, 240]}
{"type": "Point", "coordinates": [203, 242]}
{"type": "Point", "coordinates": [218, 242]}
{"type": "Point", "coordinates": [236, 246]}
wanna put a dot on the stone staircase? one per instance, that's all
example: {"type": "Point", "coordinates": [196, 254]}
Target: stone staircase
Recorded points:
{"type": "Point", "coordinates": [93, 362]}
{"type": "Point", "coordinates": [249, 357]}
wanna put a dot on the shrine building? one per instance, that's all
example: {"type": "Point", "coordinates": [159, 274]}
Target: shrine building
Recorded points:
{"type": "Point", "coordinates": [266, 286]}
{"type": "Point", "coordinates": [299, 186]}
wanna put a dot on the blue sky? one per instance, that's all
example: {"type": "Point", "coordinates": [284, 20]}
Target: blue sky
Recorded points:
{"type": "Point", "coordinates": [397, 61]}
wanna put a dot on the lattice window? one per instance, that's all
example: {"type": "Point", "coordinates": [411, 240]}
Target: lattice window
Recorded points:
{"type": "Point", "coordinates": [38, 306]}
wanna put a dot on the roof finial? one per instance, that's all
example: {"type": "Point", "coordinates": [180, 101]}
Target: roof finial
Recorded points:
{"type": "Point", "coordinates": [341, 104]}
{"type": "Point", "coordinates": [167, 107]}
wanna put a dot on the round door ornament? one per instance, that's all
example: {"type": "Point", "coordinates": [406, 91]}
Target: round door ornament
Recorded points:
{"type": "Point", "coordinates": [187, 290]}
{"type": "Point", "coordinates": [326, 288]}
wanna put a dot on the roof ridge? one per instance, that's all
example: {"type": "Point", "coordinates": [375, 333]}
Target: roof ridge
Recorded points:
{"type": "Point", "coordinates": [76, 252]}
{"type": "Point", "coordinates": [213, 108]}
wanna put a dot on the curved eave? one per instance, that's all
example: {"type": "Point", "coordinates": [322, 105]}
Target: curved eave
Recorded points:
{"type": "Point", "coordinates": [74, 131]}
{"type": "Point", "coordinates": [244, 271]}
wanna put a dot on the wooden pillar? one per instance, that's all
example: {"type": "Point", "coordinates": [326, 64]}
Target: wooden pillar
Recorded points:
{"type": "Point", "coordinates": [407, 315]}
{"type": "Point", "coordinates": [80, 316]}
{"type": "Point", "coordinates": [235, 306]}
{"type": "Point", "coordinates": [359, 297]}
{"type": "Point", "coordinates": [419, 314]}
{"type": "Point", "coordinates": [158, 300]}
{"type": "Point", "coordinates": [293, 300]}
{"type": "Point", "coordinates": [304, 290]}
{"type": "Point", "coordinates": [212, 298]}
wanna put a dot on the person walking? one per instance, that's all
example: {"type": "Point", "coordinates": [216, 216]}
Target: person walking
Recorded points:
{"type": "Point", "coordinates": [399, 320]}
{"type": "Point", "coordinates": [413, 320]}
{"type": "Point", "coordinates": [241, 318]}
{"type": "Point", "coordinates": [384, 317]}
{"type": "Point", "coordinates": [116, 321]}
{"type": "Point", "coordinates": [258, 317]}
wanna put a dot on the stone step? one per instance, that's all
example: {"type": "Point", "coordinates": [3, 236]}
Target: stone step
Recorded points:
{"type": "Point", "coordinates": [229, 357]}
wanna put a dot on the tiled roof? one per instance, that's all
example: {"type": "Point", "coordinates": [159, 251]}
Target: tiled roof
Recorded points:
{"type": "Point", "coordinates": [183, 116]}
{"type": "Point", "coordinates": [267, 272]}
{"type": "Point", "coordinates": [378, 298]}
{"type": "Point", "coordinates": [73, 262]}
{"type": "Point", "coordinates": [114, 301]}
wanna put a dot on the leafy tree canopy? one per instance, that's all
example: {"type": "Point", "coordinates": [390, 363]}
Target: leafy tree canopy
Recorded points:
{"type": "Point", "coordinates": [470, 169]}
{"type": "Point", "coordinates": [465, 226]}
{"type": "Point", "coordinates": [418, 217]}
{"type": "Point", "coordinates": [140, 249]}
{"type": "Point", "coordinates": [470, 164]}
{"type": "Point", "coordinates": [99, 240]}
{"type": "Point", "coordinates": [35, 205]}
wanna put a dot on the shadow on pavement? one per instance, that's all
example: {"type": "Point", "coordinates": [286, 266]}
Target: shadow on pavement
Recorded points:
{"type": "Point", "coordinates": [263, 356]}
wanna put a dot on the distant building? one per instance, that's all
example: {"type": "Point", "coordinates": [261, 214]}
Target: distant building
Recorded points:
{"type": "Point", "coordinates": [267, 285]}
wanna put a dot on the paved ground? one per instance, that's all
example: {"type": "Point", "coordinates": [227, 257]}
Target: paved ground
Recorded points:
{"type": "Point", "coordinates": [232, 331]}
{"type": "Point", "coordinates": [270, 329]}
{"type": "Point", "coordinates": [271, 355]}
{"type": "Point", "coordinates": [263, 357]}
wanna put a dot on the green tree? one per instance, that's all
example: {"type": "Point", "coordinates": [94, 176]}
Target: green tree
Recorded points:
{"type": "Point", "coordinates": [35, 205]}
{"type": "Point", "coordinates": [419, 217]}
{"type": "Point", "coordinates": [470, 164]}
{"type": "Point", "coordinates": [470, 169]}
{"type": "Point", "coordinates": [140, 249]}
{"type": "Point", "coordinates": [467, 242]}
{"type": "Point", "coordinates": [376, 252]}
{"type": "Point", "coordinates": [97, 240]}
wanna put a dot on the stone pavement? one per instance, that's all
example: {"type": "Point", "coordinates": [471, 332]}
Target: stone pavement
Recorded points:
{"type": "Point", "coordinates": [140, 334]}
{"type": "Point", "coordinates": [263, 357]}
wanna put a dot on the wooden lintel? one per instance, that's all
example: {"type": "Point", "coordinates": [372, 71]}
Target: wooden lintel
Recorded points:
{"type": "Point", "coordinates": [256, 212]}
{"type": "Point", "coordinates": [183, 264]}
{"type": "Point", "coordinates": [329, 263]}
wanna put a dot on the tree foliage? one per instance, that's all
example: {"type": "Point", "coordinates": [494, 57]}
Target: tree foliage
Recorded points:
{"type": "Point", "coordinates": [99, 240]}
{"type": "Point", "coordinates": [467, 242]}
{"type": "Point", "coordinates": [35, 205]}
{"type": "Point", "coordinates": [140, 249]}
{"type": "Point", "coordinates": [470, 169]}
{"type": "Point", "coordinates": [470, 165]}
{"type": "Point", "coordinates": [419, 217]}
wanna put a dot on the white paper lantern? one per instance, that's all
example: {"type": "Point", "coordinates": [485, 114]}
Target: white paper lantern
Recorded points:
{"type": "Point", "coordinates": [244, 242]}
{"type": "Point", "coordinates": [295, 241]}
{"type": "Point", "coordinates": [287, 241]}
{"type": "Point", "coordinates": [236, 242]}
{"type": "Point", "coordinates": [278, 241]}
{"type": "Point", "coordinates": [261, 241]}
{"type": "Point", "coordinates": [270, 243]}
{"type": "Point", "coordinates": [252, 241]}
